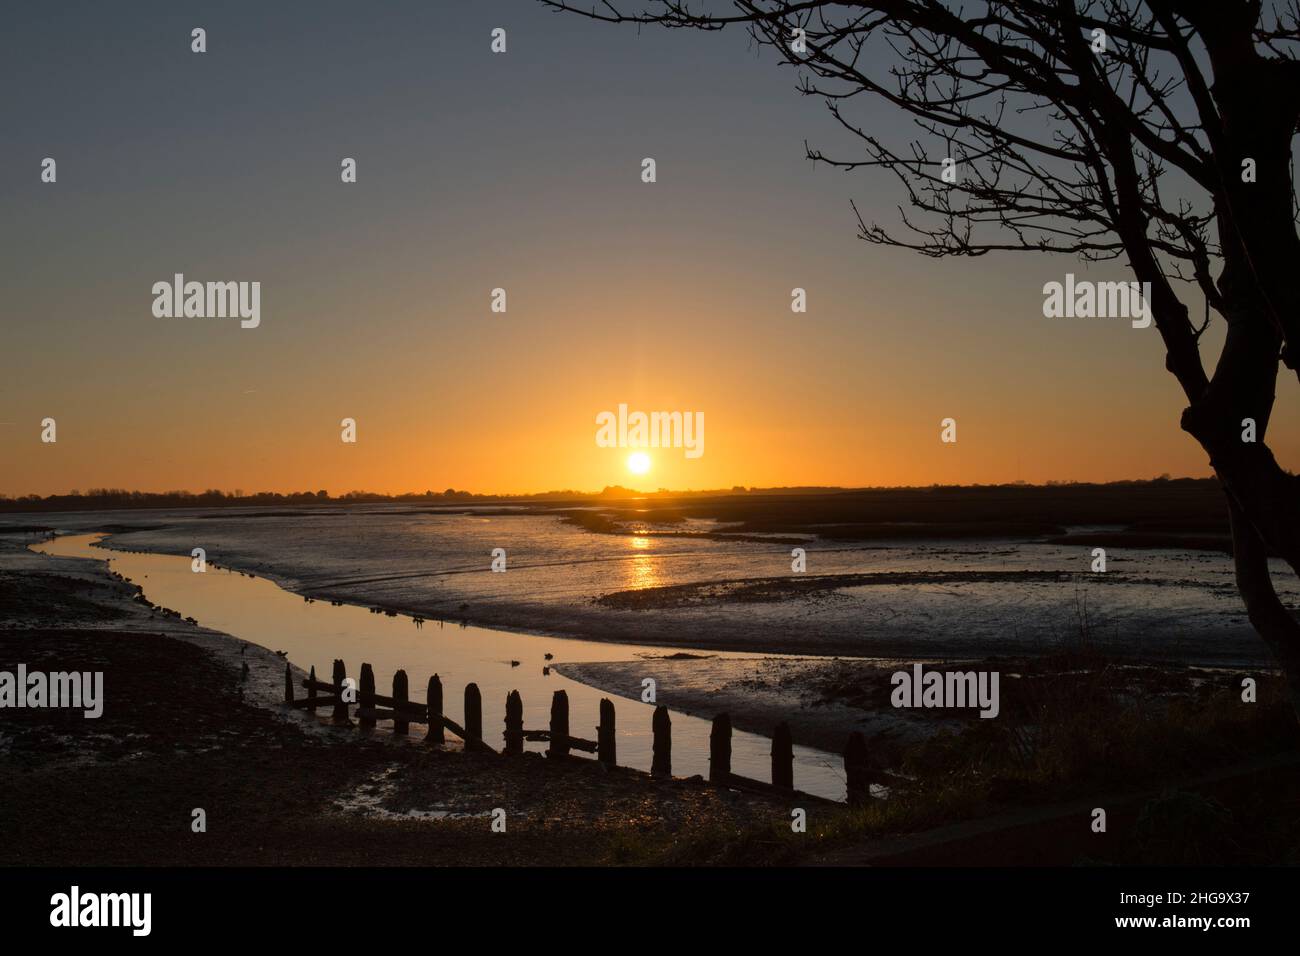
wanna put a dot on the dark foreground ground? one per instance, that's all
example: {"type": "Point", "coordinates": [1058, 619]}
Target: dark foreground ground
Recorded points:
{"type": "Point", "coordinates": [184, 727]}
{"type": "Point", "coordinates": [176, 736]}
{"type": "Point", "coordinates": [1187, 772]}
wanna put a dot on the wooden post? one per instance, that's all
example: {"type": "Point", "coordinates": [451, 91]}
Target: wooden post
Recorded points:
{"type": "Point", "coordinates": [473, 716]}
{"type": "Point", "coordinates": [855, 769]}
{"type": "Point", "coordinates": [366, 695]}
{"type": "Point", "coordinates": [288, 683]}
{"type": "Point", "coordinates": [311, 692]}
{"type": "Point", "coordinates": [782, 757]}
{"type": "Point", "coordinates": [514, 723]}
{"type": "Point", "coordinates": [433, 696]}
{"type": "Point", "coordinates": [559, 725]}
{"type": "Point", "coordinates": [340, 708]}
{"type": "Point", "coordinates": [401, 695]}
{"type": "Point", "coordinates": [607, 748]}
{"type": "Point", "coordinates": [662, 725]}
{"type": "Point", "coordinates": [720, 750]}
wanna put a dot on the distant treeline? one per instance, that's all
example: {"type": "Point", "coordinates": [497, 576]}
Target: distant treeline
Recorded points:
{"type": "Point", "coordinates": [111, 498]}
{"type": "Point", "coordinates": [1152, 508]}
{"type": "Point", "coordinates": [1180, 502]}
{"type": "Point", "coordinates": [98, 499]}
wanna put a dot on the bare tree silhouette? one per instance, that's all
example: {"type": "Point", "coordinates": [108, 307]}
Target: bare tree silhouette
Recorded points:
{"type": "Point", "coordinates": [1159, 132]}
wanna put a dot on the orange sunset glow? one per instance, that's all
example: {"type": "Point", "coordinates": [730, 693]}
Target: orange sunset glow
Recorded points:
{"type": "Point", "coordinates": [522, 454]}
{"type": "Point", "coordinates": [237, 411]}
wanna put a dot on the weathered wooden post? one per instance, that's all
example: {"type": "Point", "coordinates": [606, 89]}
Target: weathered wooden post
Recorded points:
{"type": "Point", "coordinates": [473, 716]}
{"type": "Point", "coordinates": [401, 697]}
{"type": "Point", "coordinates": [782, 757]}
{"type": "Point", "coordinates": [720, 750]}
{"type": "Point", "coordinates": [662, 725]}
{"type": "Point", "coordinates": [606, 748]}
{"type": "Point", "coordinates": [311, 691]}
{"type": "Point", "coordinates": [514, 723]}
{"type": "Point", "coordinates": [340, 706]}
{"type": "Point", "coordinates": [366, 696]}
{"type": "Point", "coordinates": [855, 769]}
{"type": "Point", "coordinates": [433, 696]}
{"type": "Point", "coordinates": [288, 683]}
{"type": "Point", "coordinates": [559, 725]}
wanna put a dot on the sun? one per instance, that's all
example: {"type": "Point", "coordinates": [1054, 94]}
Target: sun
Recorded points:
{"type": "Point", "coordinates": [638, 463]}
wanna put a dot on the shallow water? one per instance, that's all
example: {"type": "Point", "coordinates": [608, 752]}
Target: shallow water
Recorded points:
{"type": "Point", "coordinates": [257, 610]}
{"type": "Point", "coordinates": [1179, 603]}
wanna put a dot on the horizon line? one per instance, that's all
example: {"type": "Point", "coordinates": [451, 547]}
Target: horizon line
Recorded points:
{"type": "Point", "coordinates": [216, 494]}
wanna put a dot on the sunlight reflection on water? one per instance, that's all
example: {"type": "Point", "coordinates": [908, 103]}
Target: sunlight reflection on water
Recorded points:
{"type": "Point", "coordinates": [257, 610]}
{"type": "Point", "coordinates": [643, 570]}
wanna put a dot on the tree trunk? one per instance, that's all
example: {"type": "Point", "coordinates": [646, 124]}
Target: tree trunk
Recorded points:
{"type": "Point", "coordinates": [1270, 618]}
{"type": "Point", "coordinates": [1263, 500]}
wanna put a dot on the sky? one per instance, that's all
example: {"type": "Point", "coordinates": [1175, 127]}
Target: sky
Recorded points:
{"type": "Point", "coordinates": [520, 171]}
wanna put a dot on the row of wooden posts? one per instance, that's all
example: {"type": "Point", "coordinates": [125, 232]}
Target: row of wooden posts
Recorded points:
{"type": "Point", "coordinates": [402, 711]}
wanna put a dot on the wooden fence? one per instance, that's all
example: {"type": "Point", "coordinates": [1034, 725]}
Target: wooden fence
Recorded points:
{"type": "Point", "coordinates": [402, 711]}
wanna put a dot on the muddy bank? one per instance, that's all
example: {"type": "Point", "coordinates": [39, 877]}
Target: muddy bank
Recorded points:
{"type": "Point", "coordinates": [935, 612]}
{"type": "Point", "coordinates": [40, 593]}
{"type": "Point", "coordinates": [965, 598]}
{"type": "Point", "coordinates": [823, 700]}
{"type": "Point", "coordinates": [776, 590]}
{"type": "Point", "coordinates": [186, 726]}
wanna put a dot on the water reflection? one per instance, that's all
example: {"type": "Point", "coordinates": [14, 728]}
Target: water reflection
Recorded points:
{"type": "Point", "coordinates": [643, 569]}
{"type": "Point", "coordinates": [315, 633]}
